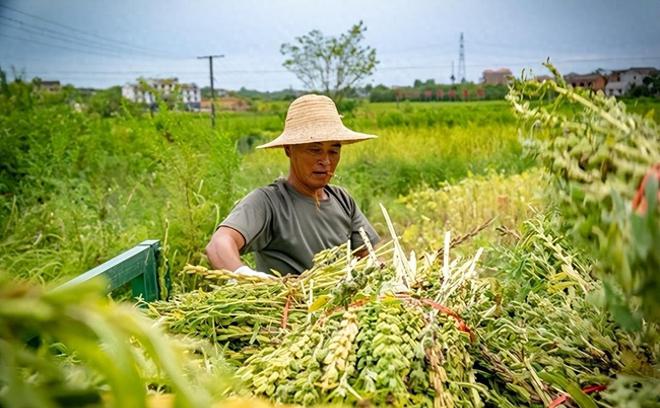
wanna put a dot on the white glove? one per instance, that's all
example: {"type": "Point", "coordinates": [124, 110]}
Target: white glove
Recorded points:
{"type": "Point", "coordinates": [247, 271]}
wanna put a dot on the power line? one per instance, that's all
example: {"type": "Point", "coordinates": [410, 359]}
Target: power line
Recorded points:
{"type": "Point", "coordinates": [495, 60]}
{"type": "Point", "coordinates": [605, 59]}
{"type": "Point", "coordinates": [539, 61]}
{"type": "Point", "coordinates": [383, 68]}
{"type": "Point", "coordinates": [63, 47]}
{"type": "Point", "coordinates": [59, 38]}
{"type": "Point", "coordinates": [158, 72]}
{"type": "Point", "coordinates": [118, 72]}
{"type": "Point", "coordinates": [107, 39]}
{"type": "Point", "coordinates": [68, 38]}
{"type": "Point", "coordinates": [101, 53]}
{"type": "Point", "coordinates": [407, 50]}
{"type": "Point", "coordinates": [250, 74]}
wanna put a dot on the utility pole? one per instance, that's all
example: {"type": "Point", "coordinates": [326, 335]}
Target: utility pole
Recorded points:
{"type": "Point", "coordinates": [452, 77]}
{"type": "Point", "coordinates": [210, 58]}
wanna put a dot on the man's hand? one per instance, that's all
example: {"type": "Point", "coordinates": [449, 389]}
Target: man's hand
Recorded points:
{"type": "Point", "coordinates": [249, 272]}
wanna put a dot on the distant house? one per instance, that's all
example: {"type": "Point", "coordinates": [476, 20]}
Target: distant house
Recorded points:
{"type": "Point", "coordinates": [190, 93]}
{"type": "Point", "coordinates": [594, 81]}
{"type": "Point", "coordinates": [50, 86]}
{"type": "Point", "coordinates": [192, 96]}
{"type": "Point", "coordinates": [135, 93]}
{"type": "Point", "coordinates": [620, 82]}
{"type": "Point", "coordinates": [496, 76]}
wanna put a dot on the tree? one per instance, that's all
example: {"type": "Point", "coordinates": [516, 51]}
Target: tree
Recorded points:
{"type": "Point", "coordinates": [329, 64]}
{"type": "Point", "coordinates": [650, 87]}
{"type": "Point", "coordinates": [107, 102]}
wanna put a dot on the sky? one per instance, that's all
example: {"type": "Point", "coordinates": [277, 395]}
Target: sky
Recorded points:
{"type": "Point", "coordinates": [94, 43]}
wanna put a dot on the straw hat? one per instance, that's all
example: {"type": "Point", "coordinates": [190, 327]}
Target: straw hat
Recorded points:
{"type": "Point", "coordinates": [314, 118]}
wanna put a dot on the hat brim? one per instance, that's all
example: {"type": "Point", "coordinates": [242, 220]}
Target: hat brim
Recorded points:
{"type": "Point", "coordinates": [343, 136]}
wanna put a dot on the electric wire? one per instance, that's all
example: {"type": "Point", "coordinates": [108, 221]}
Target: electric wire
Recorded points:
{"type": "Point", "coordinates": [71, 39]}
{"type": "Point", "coordinates": [60, 46]}
{"type": "Point", "coordinates": [77, 30]}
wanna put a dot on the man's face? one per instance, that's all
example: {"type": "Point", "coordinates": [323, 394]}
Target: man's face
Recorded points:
{"type": "Point", "coordinates": [314, 164]}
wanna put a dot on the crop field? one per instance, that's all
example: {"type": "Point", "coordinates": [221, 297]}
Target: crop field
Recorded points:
{"type": "Point", "coordinates": [519, 268]}
{"type": "Point", "coordinates": [92, 186]}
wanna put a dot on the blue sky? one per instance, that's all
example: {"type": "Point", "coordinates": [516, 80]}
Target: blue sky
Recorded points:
{"type": "Point", "coordinates": [104, 43]}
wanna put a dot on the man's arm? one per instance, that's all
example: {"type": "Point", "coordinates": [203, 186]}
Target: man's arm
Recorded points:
{"type": "Point", "coordinates": [223, 253]}
{"type": "Point", "coordinates": [223, 249]}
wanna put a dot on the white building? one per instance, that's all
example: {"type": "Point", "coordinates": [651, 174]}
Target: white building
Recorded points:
{"type": "Point", "coordinates": [134, 93]}
{"type": "Point", "coordinates": [621, 81]}
{"type": "Point", "coordinates": [190, 94]}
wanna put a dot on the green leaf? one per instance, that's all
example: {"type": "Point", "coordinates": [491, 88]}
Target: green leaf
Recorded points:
{"type": "Point", "coordinates": [641, 236]}
{"type": "Point", "coordinates": [318, 303]}
{"type": "Point", "coordinates": [582, 399]}
{"type": "Point", "coordinates": [619, 309]}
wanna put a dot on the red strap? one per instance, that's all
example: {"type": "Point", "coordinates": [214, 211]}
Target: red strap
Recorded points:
{"type": "Point", "coordinates": [558, 401]}
{"type": "Point", "coordinates": [594, 388]}
{"type": "Point", "coordinates": [639, 203]}
{"type": "Point", "coordinates": [565, 397]}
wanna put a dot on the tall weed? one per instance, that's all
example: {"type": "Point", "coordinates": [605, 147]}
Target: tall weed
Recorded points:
{"type": "Point", "coordinates": [83, 188]}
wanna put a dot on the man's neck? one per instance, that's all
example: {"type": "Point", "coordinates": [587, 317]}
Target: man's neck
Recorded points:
{"type": "Point", "coordinates": [317, 194]}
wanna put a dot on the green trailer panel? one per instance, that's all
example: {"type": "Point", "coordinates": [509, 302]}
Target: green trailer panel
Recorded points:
{"type": "Point", "coordinates": [137, 266]}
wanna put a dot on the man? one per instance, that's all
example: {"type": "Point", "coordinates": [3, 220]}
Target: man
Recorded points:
{"type": "Point", "coordinates": [289, 221]}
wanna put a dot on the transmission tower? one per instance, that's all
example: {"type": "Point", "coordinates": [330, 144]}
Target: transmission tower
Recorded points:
{"type": "Point", "coordinates": [461, 60]}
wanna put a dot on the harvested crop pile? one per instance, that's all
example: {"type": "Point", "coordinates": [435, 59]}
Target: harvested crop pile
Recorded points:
{"type": "Point", "coordinates": [396, 329]}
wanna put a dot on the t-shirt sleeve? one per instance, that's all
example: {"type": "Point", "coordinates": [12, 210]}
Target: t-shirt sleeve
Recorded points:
{"type": "Point", "coordinates": [358, 220]}
{"type": "Point", "coordinates": [252, 218]}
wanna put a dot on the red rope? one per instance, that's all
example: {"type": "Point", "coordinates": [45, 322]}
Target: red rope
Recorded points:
{"type": "Point", "coordinates": [565, 397]}
{"type": "Point", "coordinates": [285, 315]}
{"type": "Point", "coordinates": [443, 309]}
{"type": "Point", "coordinates": [437, 306]}
{"type": "Point", "coordinates": [357, 303]}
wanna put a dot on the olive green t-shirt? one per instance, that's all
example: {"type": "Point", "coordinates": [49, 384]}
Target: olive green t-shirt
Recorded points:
{"type": "Point", "coordinates": [285, 228]}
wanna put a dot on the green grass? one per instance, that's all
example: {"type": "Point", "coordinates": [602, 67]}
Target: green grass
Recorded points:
{"type": "Point", "coordinates": [78, 188]}
{"type": "Point", "coordinates": [644, 106]}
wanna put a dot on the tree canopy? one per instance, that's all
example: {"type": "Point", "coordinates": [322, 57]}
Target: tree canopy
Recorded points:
{"type": "Point", "coordinates": [330, 64]}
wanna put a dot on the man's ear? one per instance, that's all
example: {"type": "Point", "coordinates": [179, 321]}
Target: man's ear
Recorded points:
{"type": "Point", "coordinates": [287, 151]}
